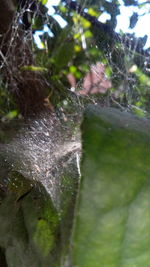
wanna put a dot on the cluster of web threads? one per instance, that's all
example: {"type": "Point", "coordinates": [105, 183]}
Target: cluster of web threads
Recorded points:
{"type": "Point", "coordinates": [42, 151]}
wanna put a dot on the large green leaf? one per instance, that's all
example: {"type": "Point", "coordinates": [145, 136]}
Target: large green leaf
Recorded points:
{"type": "Point", "coordinates": [113, 213]}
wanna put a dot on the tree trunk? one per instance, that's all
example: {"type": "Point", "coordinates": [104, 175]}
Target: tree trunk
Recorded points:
{"type": "Point", "coordinates": [27, 87]}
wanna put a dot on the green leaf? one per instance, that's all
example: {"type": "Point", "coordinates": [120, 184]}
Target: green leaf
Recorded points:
{"type": "Point", "coordinates": [88, 34]}
{"type": "Point", "coordinates": [11, 115]}
{"type": "Point", "coordinates": [85, 23]}
{"type": "Point", "coordinates": [33, 68]}
{"type": "Point", "coordinates": [73, 69]}
{"type": "Point", "coordinates": [62, 8]}
{"type": "Point", "coordinates": [77, 48]}
{"type": "Point", "coordinates": [63, 56]}
{"type": "Point", "coordinates": [44, 2]}
{"type": "Point", "coordinates": [77, 35]}
{"type": "Point", "coordinates": [92, 12]}
{"type": "Point", "coordinates": [113, 214]}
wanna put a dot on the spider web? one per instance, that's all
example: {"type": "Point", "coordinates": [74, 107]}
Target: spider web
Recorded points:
{"type": "Point", "coordinates": [43, 146]}
{"type": "Point", "coordinates": [47, 149]}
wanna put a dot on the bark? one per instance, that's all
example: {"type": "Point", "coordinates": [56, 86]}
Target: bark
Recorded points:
{"type": "Point", "coordinates": [7, 12]}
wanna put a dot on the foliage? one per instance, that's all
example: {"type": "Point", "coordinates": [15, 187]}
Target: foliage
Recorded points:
{"type": "Point", "coordinates": [84, 42]}
{"type": "Point", "coordinates": [85, 61]}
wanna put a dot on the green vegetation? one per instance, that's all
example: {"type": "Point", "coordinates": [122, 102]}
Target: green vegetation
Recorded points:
{"type": "Point", "coordinates": [50, 216]}
{"type": "Point", "coordinates": [72, 50]}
